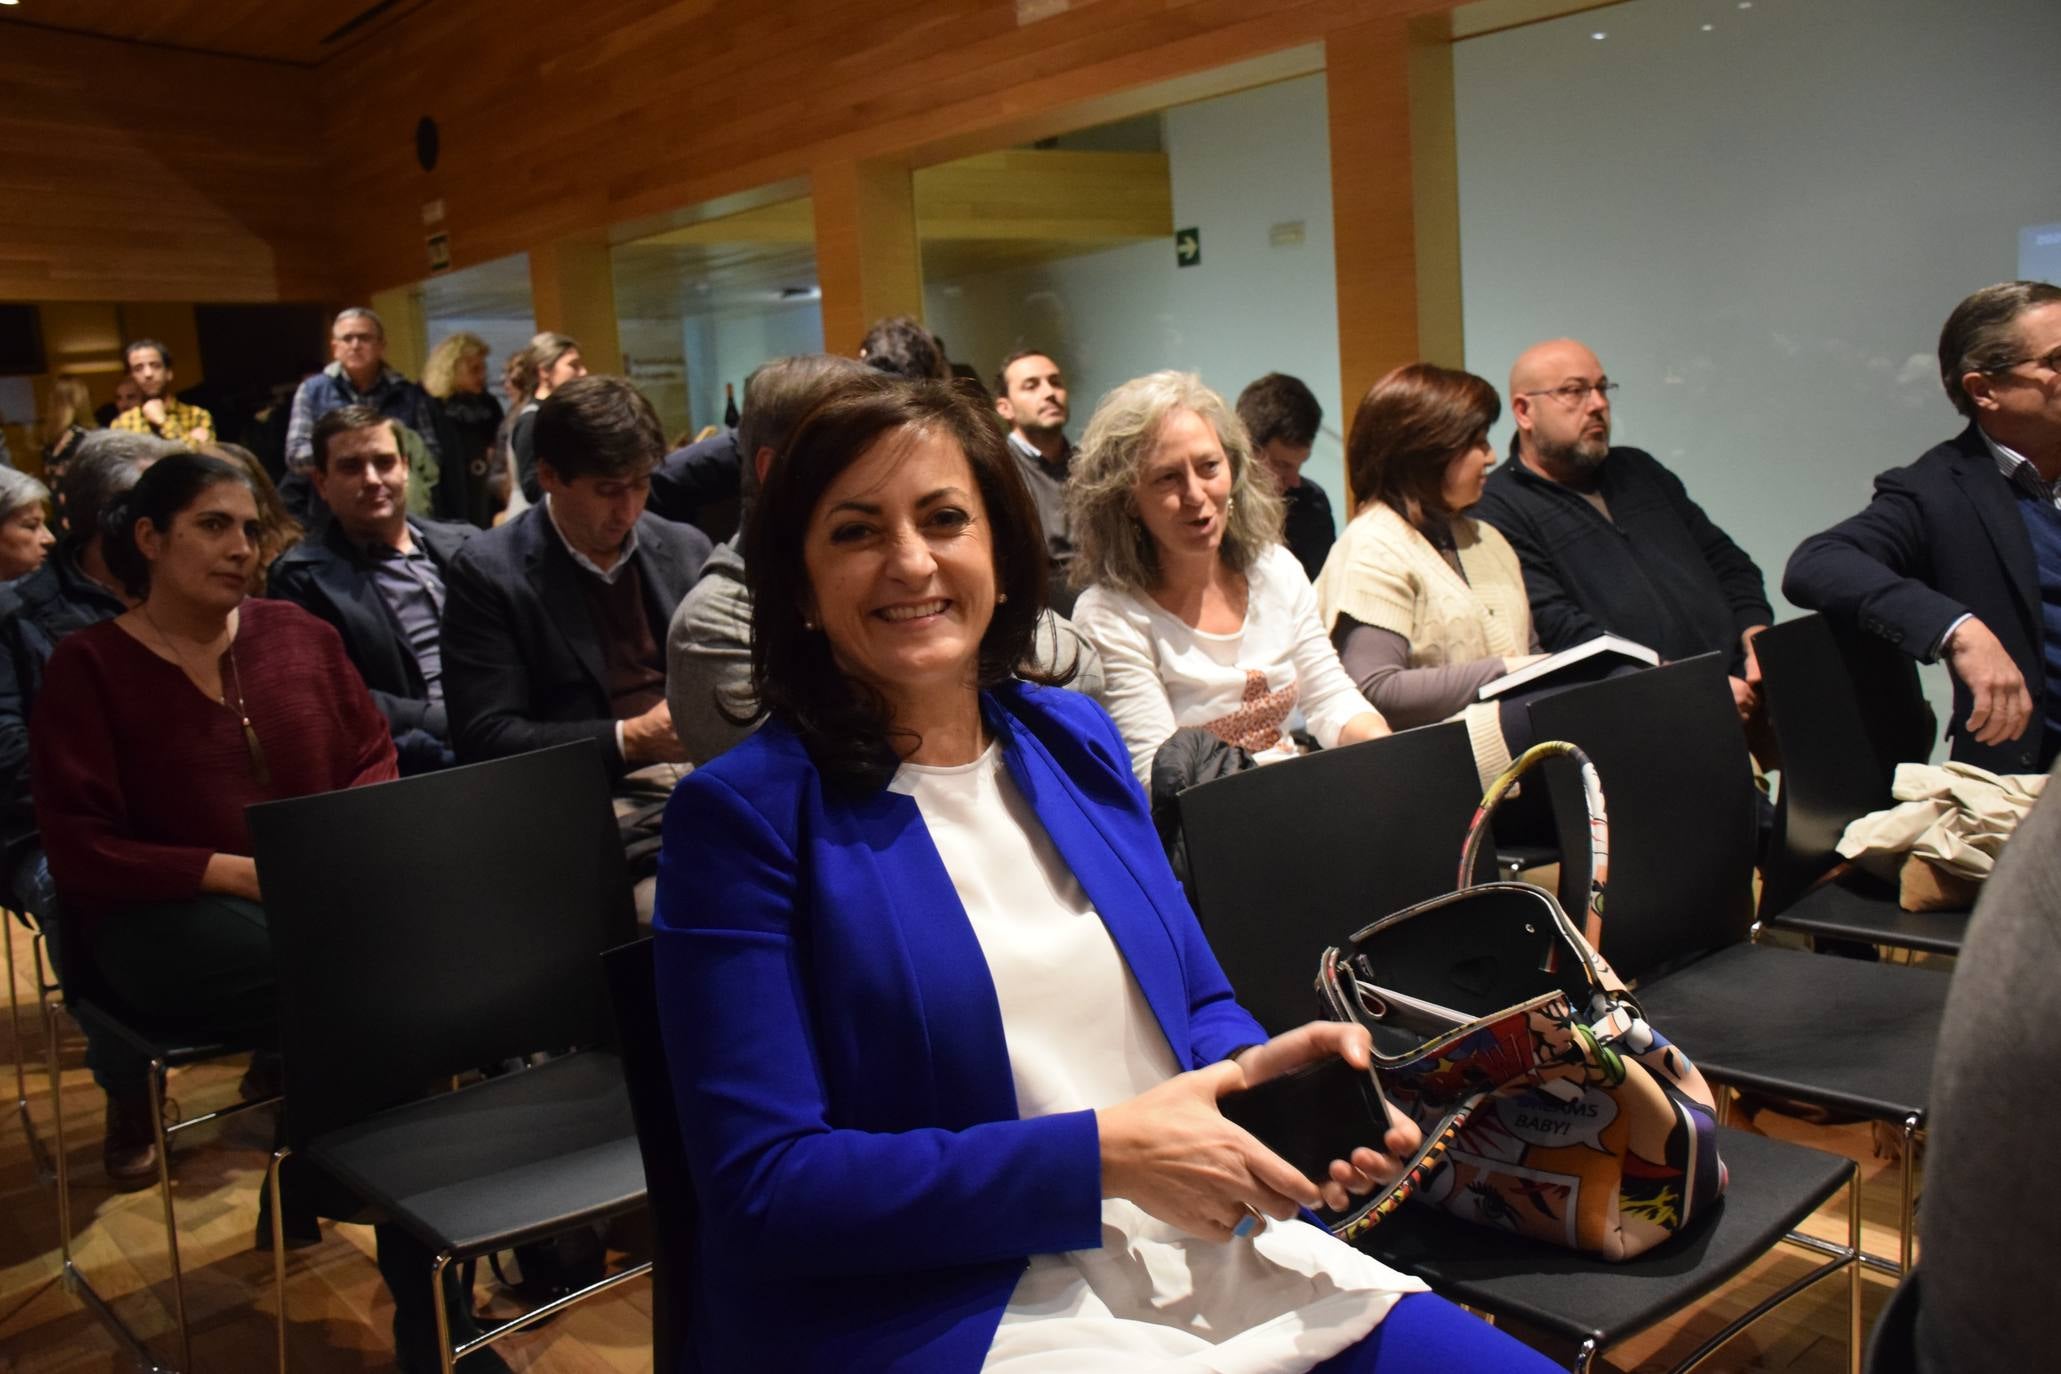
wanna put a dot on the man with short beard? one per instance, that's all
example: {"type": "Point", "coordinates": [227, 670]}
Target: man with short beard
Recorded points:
{"type": "Point", "coordinates": [1609, 539]}
{"type": "Point", "coordinates": [1030, 396]}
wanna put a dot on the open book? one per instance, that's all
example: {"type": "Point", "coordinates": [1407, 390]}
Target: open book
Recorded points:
{"type": "Point", "coordinates": [1585, 662]}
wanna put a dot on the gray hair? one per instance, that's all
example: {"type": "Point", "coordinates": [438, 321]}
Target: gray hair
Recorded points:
{"type": "Point", "coordinates": [107, 464]}
{"type": "Point", "coordinates": [1112, 548]}
{"type": "Point", "coordinates": [1982, 333]}
{"type": "Point", "coordinates": [362, 312]}
{"type": "Point", "coordinates": [18, 491]}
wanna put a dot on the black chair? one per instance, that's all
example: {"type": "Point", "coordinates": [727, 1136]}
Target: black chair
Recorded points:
{"type": "Point", "coordinates": [39, 1157]}
{"type": "Point", "coordinates": [82, 994]}
{"type": "Point", "coordinates": [1384, 834]}
{"type": "Point", "coordinates": [1893, 1347]}
{"type": "Point", "coordinates": [1853, 1036]}
{"type": "Point", "coordinates": [674, 1215]}
{"type": "Point", "coordinates": [1846, 709]}
{"type": "Point", "coordinates": [422, 929]}
{"type": "Point", "coordinates": [1277, 855]}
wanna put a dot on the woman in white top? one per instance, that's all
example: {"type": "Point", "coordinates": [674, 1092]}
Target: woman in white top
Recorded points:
{"type": "Point", "coordinates": [1202, 618]}
{"type": "Point", "coordinates": [1425, 604]}
{"type": "Point", "coordinates": [947, 1040]}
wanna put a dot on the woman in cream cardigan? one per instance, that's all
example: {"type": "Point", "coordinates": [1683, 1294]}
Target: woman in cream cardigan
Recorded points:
{"type": "Point", "coordinates": [1423, 603]}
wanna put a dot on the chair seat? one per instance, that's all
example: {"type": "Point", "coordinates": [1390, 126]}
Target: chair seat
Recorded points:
{"type": "Point", "coordinates": [1847, 1034]}
{"type": "Point", "coordinates": [1864, 909]}
{"type": "Point", "coordinates": [1773, 1187]}
{"type": "Point", "coordinates": [500, 1162]}
{"type": "Point", "coordinates": [174, 1045]}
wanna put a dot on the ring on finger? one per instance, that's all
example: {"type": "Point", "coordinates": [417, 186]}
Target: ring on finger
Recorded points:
{"type": "Point", "coordinates": [1248, 1223]}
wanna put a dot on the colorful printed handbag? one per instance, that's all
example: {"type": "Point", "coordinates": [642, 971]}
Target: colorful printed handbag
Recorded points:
{"type": "Point", "coordinates": [1548, 1106]}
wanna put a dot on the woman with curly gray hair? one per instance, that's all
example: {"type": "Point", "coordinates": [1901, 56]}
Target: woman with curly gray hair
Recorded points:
{"type": "Point", "coordinates": [1201, 616]}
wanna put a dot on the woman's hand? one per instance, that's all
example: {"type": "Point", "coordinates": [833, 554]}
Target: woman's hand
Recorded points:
{"type": "Point", "coordinates": [233, 875]}
{"type": "Point", "coordinates": [1170, 1151]}
{"type": "Point", "coordinates": [1368, 1169]}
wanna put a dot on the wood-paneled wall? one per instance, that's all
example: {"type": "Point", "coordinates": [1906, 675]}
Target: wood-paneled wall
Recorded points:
{"type": "Point", "coordinates": [578, 117]}
{"type": "Point", "coordinates": [134, 173]}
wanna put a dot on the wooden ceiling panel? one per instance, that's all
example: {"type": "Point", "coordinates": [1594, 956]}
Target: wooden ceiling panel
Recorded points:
{"type": "Point", "coordinates": [273, 30]}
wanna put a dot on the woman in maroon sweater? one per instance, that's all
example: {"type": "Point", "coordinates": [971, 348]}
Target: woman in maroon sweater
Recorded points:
{"type": "Point", "coordinates": [152, 733]}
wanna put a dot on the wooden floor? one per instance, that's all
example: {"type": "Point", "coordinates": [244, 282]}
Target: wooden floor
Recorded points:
{"type": "Point", "coordinates": [341, 1315]}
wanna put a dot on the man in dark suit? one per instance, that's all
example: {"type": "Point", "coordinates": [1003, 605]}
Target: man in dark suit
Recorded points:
{"type": "Point", "coordinates": [556, 625]}
{"type": "Point", "coordinates": [1959, 554]}
{"type": "Point", "coordinates": [377, 574]}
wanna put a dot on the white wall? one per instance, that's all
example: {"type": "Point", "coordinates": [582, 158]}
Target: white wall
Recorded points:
{"type": "Point", "coordinates": [1760, 227]}
{"type": "Point", "coordinates": [1239, 165]}
{"type": "Point", "coordinates": [726, 347]}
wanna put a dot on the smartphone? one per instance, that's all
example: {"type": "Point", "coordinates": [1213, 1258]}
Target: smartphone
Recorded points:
{"type": "Point", "coordinates": [1320, 1112]}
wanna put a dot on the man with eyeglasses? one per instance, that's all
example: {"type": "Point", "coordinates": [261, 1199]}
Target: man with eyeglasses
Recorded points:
{"type": "Point", "coordinates": [1609, 539]}
{"type": "Point", "coordinates": [1958, 556]}
{"type": "Point", "coordinates": [359, 375]}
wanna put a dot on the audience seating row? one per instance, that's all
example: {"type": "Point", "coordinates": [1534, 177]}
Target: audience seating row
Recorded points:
{"type": "Point", "coordinates": [477, 961]}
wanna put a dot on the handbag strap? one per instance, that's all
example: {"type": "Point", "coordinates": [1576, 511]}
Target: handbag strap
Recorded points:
{"type": "Point", "coordinates": [1335, 982]}
{"type": "Point", "coordinates": [1598, 816]}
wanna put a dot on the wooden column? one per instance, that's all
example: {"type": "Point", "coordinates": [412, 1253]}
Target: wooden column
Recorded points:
{"type": "Point", "coordinates": [572, 289]}
{"type": "Point", "coordinates": [867, 256]}
{"type": "Point", "coordinates": [1395, 198]}
{"type": "Point", "coordinates": [407, 333]}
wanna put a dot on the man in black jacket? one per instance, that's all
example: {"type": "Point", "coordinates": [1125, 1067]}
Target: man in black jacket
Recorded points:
{"type": "Point", "coordinates": [1959, 554]}
{"type": "Point", "coordinates": [556, 624]}
{"type": "Point", "coordinates": [72, 590]}
{"type": "Point", "coordinates": [1609, 539]}
{"type": "Point", "coordinates": [377, 575]}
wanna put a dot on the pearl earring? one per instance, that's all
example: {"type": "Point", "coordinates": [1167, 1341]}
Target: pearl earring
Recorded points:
{"type": "Point", "coordinates": [1002, 599]}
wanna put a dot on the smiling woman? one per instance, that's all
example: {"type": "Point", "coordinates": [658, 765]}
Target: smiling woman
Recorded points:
{"type": "Point", "coordinates": [947, 1039]}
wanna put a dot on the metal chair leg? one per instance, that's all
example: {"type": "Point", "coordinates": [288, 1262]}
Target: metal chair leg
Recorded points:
{"type": "Point", "coordinates": [37, 1155]}
{"type": "Point", "coordinates": [164, 1183]}
{"type": "Point", "coordinates": [1853, 1276]}
{"type": "Point", "coordinates": [436, 1300]}
{"type": "Point", "coordinates": [1585, 1358]}
{"type": "Point", "coordinates": [278, 1248]}
{"type": "Point", "coordinates": [64, 1192]}
{"type": "Point", "coordinates": [1907, 1217]}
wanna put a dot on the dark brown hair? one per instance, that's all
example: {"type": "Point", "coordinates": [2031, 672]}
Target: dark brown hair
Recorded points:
{"type": "Point", "coordinates": [1982, 333]}
{"type": "Point", "coordinates": [347, 420]}
{"type": "Point", "coordinates": [1410, 425]}
{"type": "Point", "coordinates": [600, 427]}
{"type": "Point", "coordinates": [1002, 372]}
{"type": "Point", "coordinates": [845, 723]}
{"type": "Point", "coordinates": [1279, 406]}
{"type": "Point", "coordinates": [899, 345]}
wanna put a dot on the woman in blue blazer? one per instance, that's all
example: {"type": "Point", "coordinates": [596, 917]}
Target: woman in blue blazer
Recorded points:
{"type": "Point", "coordinates": [873, 1186]}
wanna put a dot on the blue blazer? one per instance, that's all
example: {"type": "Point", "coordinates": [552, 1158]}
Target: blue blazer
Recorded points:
{"type": "Point", "coordinates": [868, 1193]}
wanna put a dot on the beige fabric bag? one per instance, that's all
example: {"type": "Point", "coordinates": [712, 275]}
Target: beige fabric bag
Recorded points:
{"type": "Point", "coordinates": [1952, 817]}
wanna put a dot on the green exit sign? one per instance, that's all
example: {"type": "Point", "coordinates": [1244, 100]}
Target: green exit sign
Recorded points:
{"type": "Point", "coordinates": [1188, 248]}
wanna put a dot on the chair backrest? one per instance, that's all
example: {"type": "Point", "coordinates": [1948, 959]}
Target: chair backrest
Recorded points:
{"type": "Point", "coordinates": [1845, 708]}
{"type": "Point", "coordinates": [1292, 857]}
{"type": "Point", "coordinates": [1679, 788]}
{"type": "Point", "coordinates": [438, 924]}
{"type": "Point", "coordinates": [641, 1047]}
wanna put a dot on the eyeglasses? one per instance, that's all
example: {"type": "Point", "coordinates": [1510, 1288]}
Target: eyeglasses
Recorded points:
{"type": "Point", "coordinates": [1577, 393]}
{"type": "Point", "coordinates": [357, 338]}
{"type": "Point", "coordinates": [2051, 361]}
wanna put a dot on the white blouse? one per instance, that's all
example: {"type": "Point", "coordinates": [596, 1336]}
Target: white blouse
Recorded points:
{"type": "Point", "coordinates": [1161, 673]}
{"type": "Point", "coordinates": [1081, 1036]}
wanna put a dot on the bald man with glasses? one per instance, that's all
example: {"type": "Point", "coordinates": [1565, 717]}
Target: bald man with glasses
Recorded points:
{"type": "Point", "coordinates": [1609, 539]}
{"type": "Point", "coordinates": [1958, 557]}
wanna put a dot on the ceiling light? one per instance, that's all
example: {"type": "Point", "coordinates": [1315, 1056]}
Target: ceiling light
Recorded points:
{"type": "Point", "coordinates": [1707, 28]}
{"type": "Point", "coordinates": [1599, 35]}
